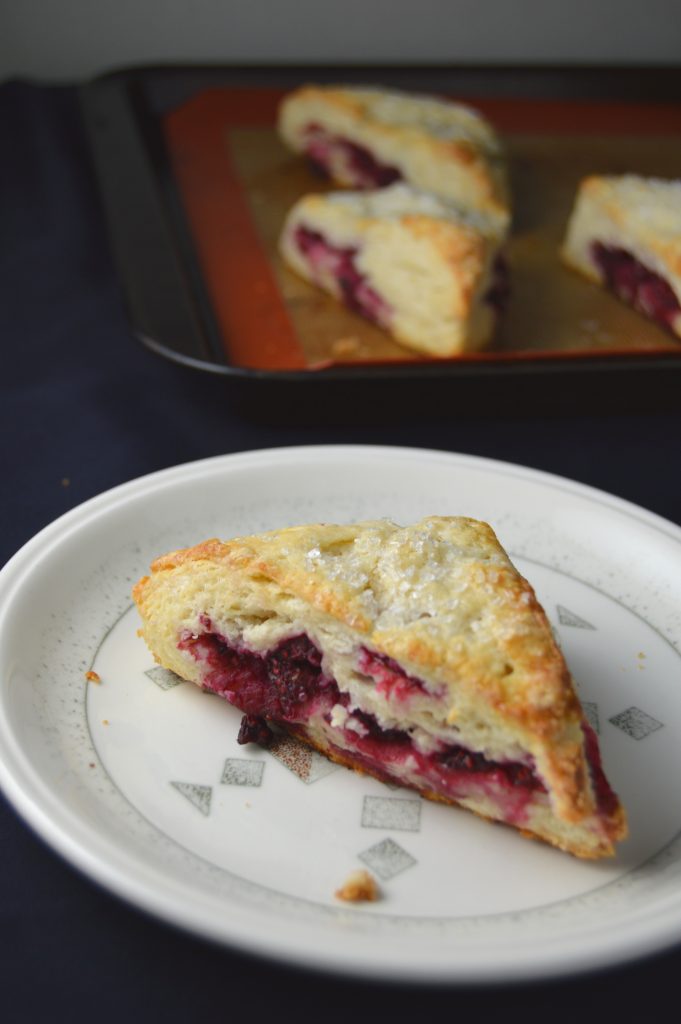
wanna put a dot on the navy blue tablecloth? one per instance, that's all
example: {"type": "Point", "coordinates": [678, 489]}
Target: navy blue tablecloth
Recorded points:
{"type": "Point", "coordinates": [85, 407]}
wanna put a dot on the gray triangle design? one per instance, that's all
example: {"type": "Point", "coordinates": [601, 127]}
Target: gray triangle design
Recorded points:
{"type": "Point", "coordinates": [568, 618]}
{"type": "Point", "coordinates": [163, 677]}
{"type": "Point", "coordinates": [199, 796]}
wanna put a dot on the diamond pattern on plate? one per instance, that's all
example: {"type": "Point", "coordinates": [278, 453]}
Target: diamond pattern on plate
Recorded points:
{"type": "Point", "coordinates": [197, 795]}
{"type": "Point", "coordinates": [300, 759]}
{"type": "Point", "coordinates": [591, 714]}
{"type": "Point", "coordinates": [238, 771]}
{"type": "Point", "coordinates": [636, 723]}
{"type": "Point", "coordinates": [387, 859]}
{"type": "Point", "coordinates": [163, 677]}
{"type": "Point", "coordinates": [568, 618]}
{"type": "Point", "coordinates": [391, 813]}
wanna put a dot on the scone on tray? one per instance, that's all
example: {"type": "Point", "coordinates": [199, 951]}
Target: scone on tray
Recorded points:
{"type": "Point", "coordinates": [370, 138]}
{"type": "Point", "coordinates": [412, 264]}
{"type": "Point", "coordinates": [417, 654]}
{"type": "Point", "coordinates": [625, 233]}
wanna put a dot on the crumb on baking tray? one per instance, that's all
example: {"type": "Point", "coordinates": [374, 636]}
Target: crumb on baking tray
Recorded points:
{"type": "Point", "coordinates": [359, 887]}
{"type": "Point", "coordinates": [346, 347]}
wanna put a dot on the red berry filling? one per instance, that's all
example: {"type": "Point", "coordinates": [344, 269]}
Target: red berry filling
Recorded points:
{"type": "Point", "coordinates": [287, 685]}
{"type": "Point", "coordinates": [451, 759]}
{"type": "Point", "coordinates": [329, 260]}
{"type": "Point", "coordinates": [284, 684]}
{"type": "Point", "coordinates": [636, 284]}
{"type": "Point", "coordinates": [605, 798]}
{"type": "Point", "coordinates": [324, 150]}
{"type": "Point", "coordinates": [453, 772]}
{"type": "Point", "coordinates": [390, 680]}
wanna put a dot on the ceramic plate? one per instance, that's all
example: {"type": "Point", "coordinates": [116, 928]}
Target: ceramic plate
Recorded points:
{"type": "Point", "coordinates": [139, 781]}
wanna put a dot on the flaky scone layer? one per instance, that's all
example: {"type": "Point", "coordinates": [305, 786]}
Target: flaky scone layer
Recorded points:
{"type": "Point", "coordinates": [442, 599]}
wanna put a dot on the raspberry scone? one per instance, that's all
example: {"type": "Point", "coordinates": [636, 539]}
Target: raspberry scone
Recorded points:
{"type": "Point", "coordinates": [405, 260]}
{"type": "Point", "coordinates": [418, 655]}
{"type": "Point", "coordinates": [370, 138]}
{"type": "Point", "coordinates": [625, 233]}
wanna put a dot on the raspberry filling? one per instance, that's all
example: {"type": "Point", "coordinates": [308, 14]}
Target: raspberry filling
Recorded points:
{"type": "Point", "coordinates": [287, 686]}
{"type": "Point", "coordinates": [324, 150]}
{"type": "Point", "coordinates": [636, 284]}
{"type": "Point", "coordinates": [389, 678]}
{"type": "Point", "coordinates": [453, 771]}
{"type": "Point", "coordinates": [327, 260]}
{"type": "Point", "coordinates": [284, 684]}
{"type": "Point", "coordinates": [606, 800]}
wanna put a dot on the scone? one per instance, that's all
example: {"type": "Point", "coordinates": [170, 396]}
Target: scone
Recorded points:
{"type": "Point", "coordinates": [418, 655]}
{"type": "Point", "coordinates": [405, 260]}
{"type": "Point", "coordinates": [369, 138]}
{"type": "Point", "coordinates": [625, 233]}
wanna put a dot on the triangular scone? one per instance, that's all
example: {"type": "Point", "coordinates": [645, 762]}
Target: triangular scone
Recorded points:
{"type": "Point", "coordinates": [366, 137]}
{"type": "Point", "coordinates": [416, 266]}
{"type": "Point", "coordinates": [416, 654]}
{"type": "Point", "coordinates": [625, 233]}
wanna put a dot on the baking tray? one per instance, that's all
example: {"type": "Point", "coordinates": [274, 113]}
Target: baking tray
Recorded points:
{"type": "Point", "coordinates": [195, 185]}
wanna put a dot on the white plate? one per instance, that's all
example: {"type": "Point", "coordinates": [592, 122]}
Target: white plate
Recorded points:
{"type": "Point", "coordinates": [145, 788]}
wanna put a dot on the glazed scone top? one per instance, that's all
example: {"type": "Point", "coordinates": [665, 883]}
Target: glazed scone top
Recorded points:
{"type": "Point", "coordinates": [401, 200]}
{"type": "Point", "coordinates": [644, 204]}
{"type": "Point", "coordinates": [440, 118]}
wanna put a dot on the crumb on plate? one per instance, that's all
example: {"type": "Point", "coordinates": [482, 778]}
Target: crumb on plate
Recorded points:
{"type": "Point", "coordinates": [93, 677]}
{"type": "Point", "coordinates": [359, 887]}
